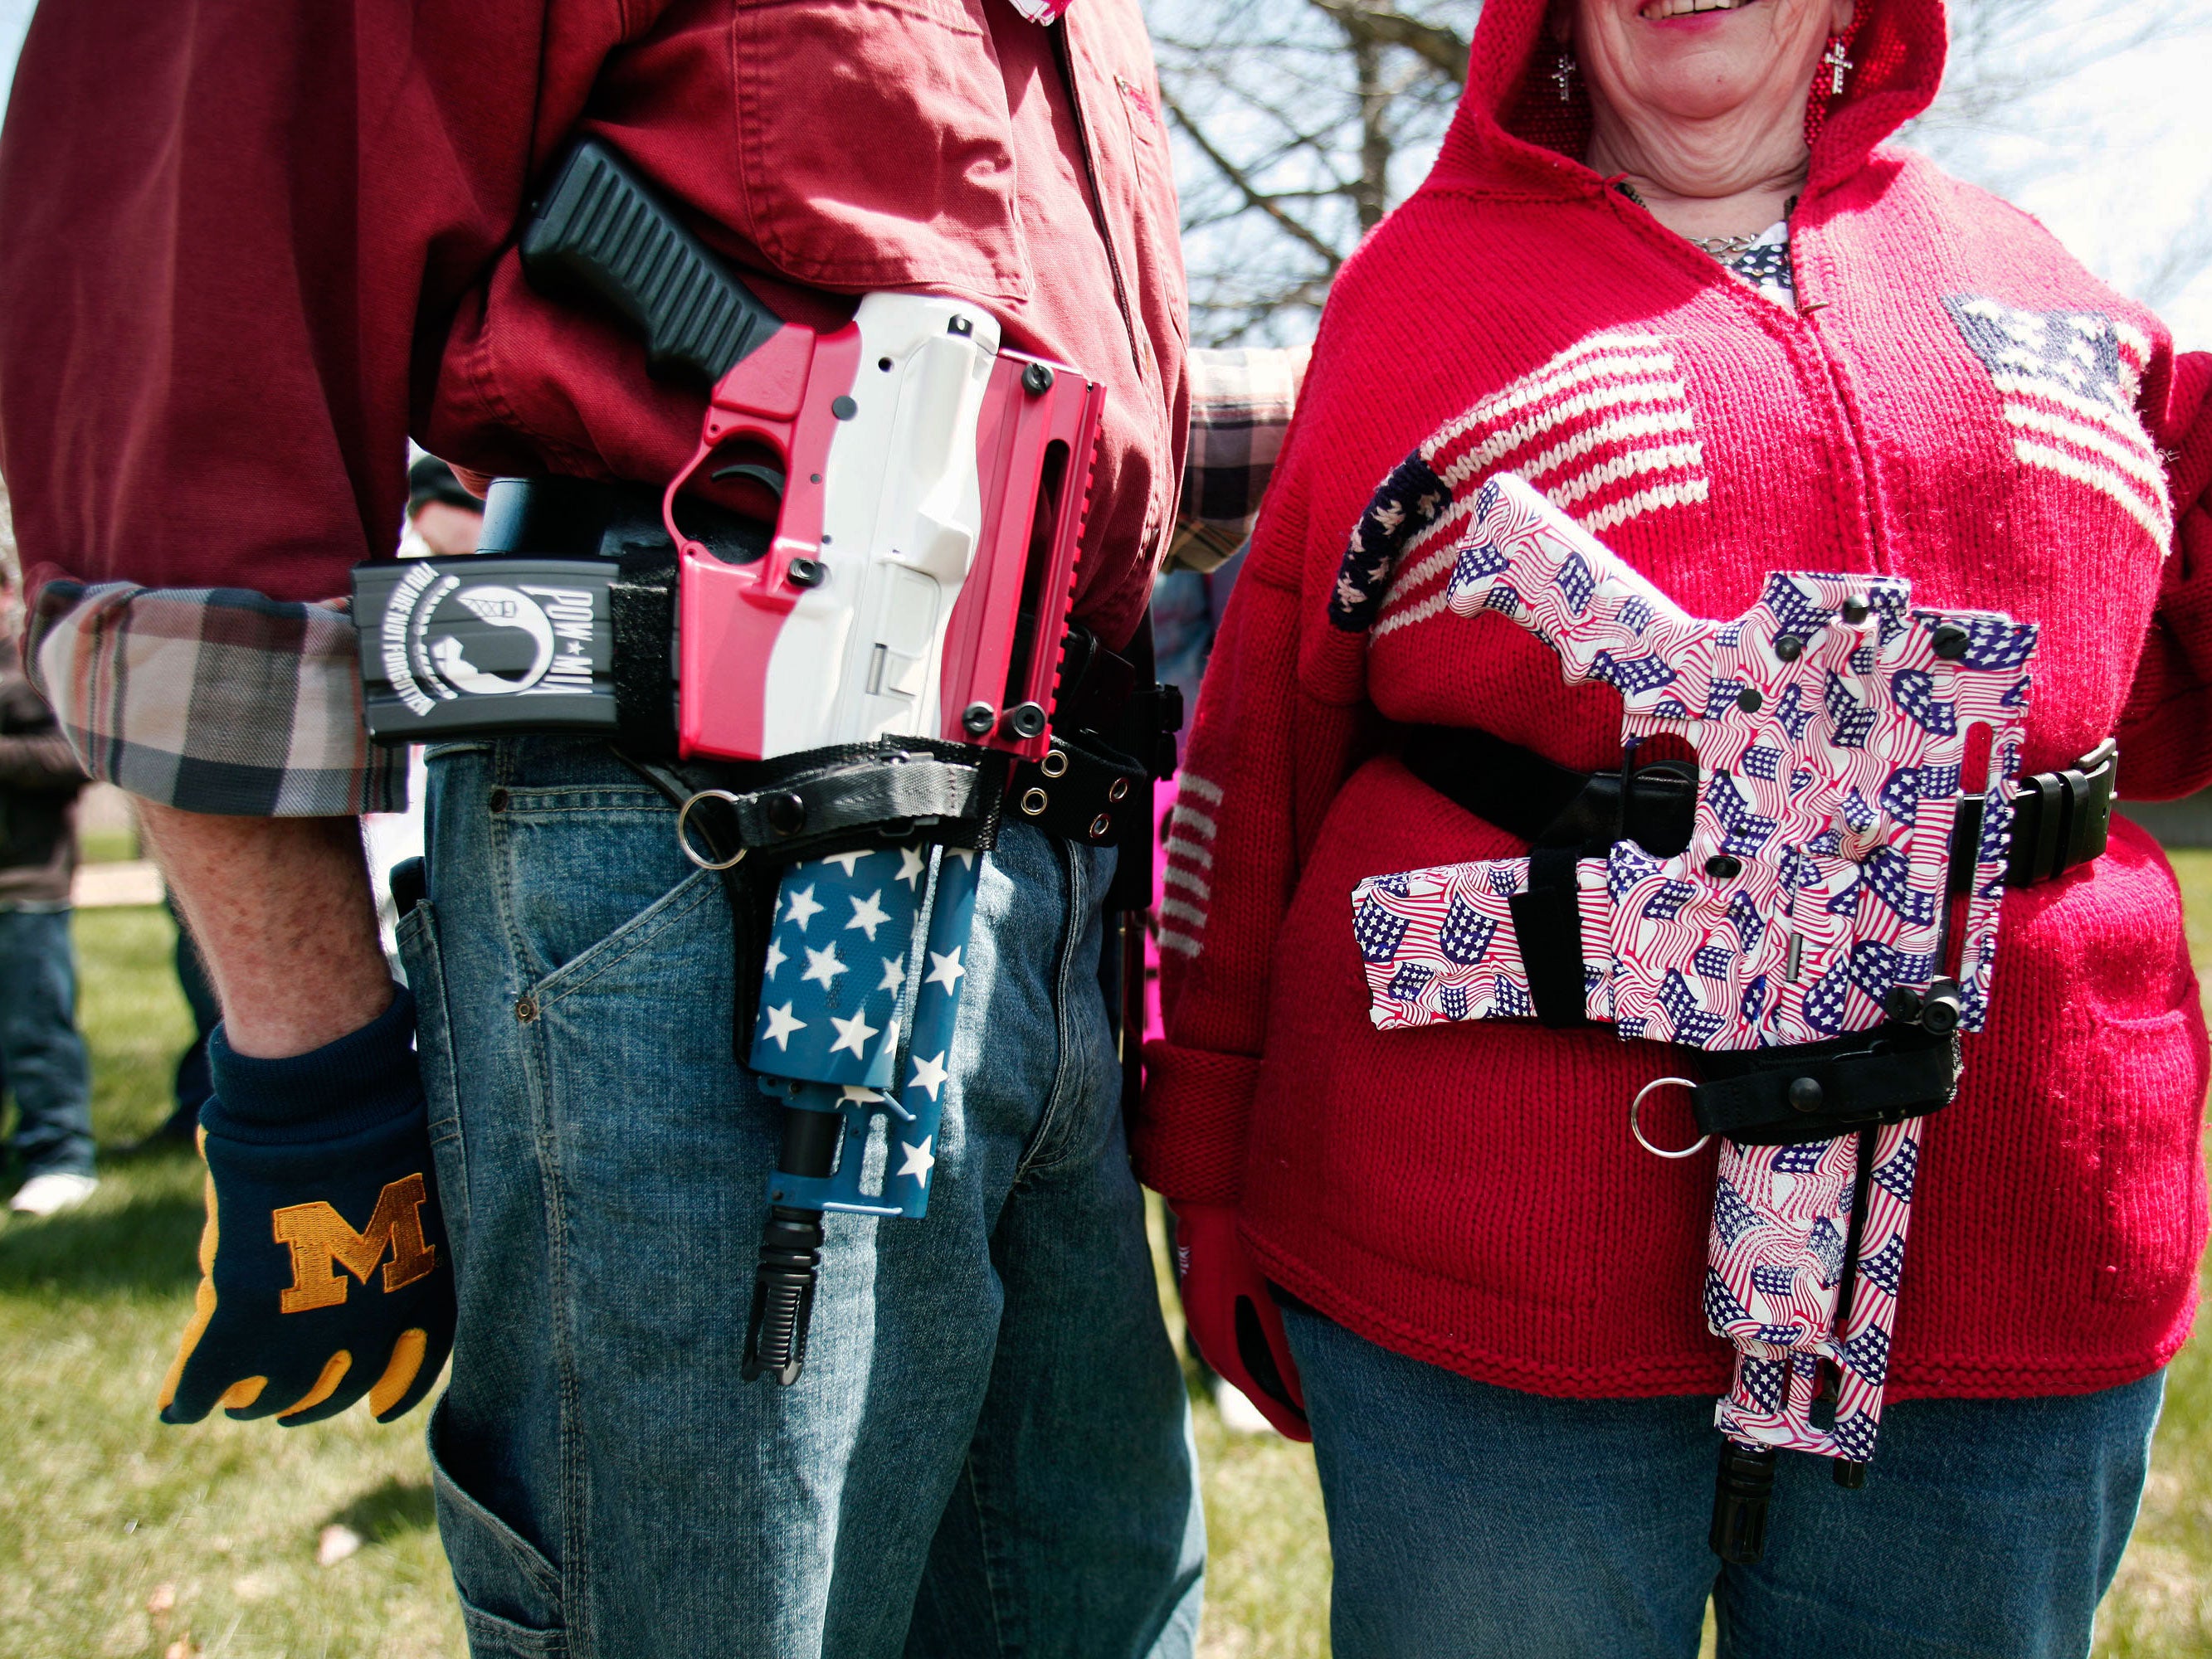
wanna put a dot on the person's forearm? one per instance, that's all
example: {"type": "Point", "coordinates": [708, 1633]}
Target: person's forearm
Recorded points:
{"type": "Point", "coordinates": [282, 911]}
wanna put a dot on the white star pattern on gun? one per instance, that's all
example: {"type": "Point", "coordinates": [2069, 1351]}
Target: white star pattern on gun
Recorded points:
{"type": "Point", "coordinates": [854, 1033]}
{"type": "Point", "coordinates": [944, 968]}
{"type": "Point", "coordinates": [868, 915]}
{"type": "Point", "coordinates": [781, 1024]}
{"type": "Point", "coordinates": [919, 1160]}
{"type": "Point", "coordinates": [776, 960]}
{"type": "Point", "coordinates": [823, 965]}
{"type": "Point", "coordinates": [928, 1074]}
{"type": "Point", "coordinates": [894, 974]}
{"type": "Point", "coordinates": [804, 907]}
{"type": "Point", "coordinates": [911, 866]}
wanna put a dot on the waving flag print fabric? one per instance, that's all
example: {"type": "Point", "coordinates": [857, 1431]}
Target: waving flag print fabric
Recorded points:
{"type": "Point", "coordinates": [1831, 771]}
{"type": "Point", "coordinates": [1831, 724]}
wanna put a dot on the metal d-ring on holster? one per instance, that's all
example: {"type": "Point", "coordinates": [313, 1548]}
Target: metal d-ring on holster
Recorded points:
{"type": "Point", "coordinates": [1909, 1066]}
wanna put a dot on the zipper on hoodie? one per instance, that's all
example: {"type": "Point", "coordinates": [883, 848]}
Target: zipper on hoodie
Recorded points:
{"type": "Point", "coordinates": [1805, 323]}
{"type": "Point", "coordinates": [1811, 324]}
{"type": "Point", "coordinates": [1063, 54]}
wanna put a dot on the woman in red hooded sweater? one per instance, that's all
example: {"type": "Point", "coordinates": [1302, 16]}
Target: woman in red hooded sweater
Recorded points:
{"type": "Point", "coordinates": [1663, 269]}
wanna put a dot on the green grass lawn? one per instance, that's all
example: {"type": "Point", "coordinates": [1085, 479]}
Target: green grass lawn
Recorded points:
{"type": "Point", "coordinates": [119, 1537]}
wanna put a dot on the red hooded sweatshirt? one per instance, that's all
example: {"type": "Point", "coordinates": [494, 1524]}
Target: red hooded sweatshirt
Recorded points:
{"type": "Point", "coordinates": [1954, 400]}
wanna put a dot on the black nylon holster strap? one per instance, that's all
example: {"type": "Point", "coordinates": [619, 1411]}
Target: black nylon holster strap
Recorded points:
{"type": "Point", "coordinates": [1112, 732]}
{"type": "Point", "coordinates": [641, 606]}
{"type": "Point", "coordinates": [2061, 819]}
{"type": "Point", "coordinates": [1547, 925]}
{"type": "Point", "coordinates": [1817, 1090]}
{"type": "Point", "coordinates": [1078, 790]}
{"type": "Point", "coordinates": [852, 795]}
{"type": "Point", "coordinates": [1548, 804]}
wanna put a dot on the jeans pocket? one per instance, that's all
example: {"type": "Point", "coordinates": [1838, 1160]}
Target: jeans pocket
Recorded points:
{"type": "Point", "coordinates": [700, 887]}
{"type": "Point", "coordinates": [434, 1045]}
{"type": "Point", "coordinates": [510, 1594]}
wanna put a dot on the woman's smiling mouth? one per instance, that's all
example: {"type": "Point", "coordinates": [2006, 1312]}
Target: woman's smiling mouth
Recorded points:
{"type": "Point", "coordinates": [1660, 10]}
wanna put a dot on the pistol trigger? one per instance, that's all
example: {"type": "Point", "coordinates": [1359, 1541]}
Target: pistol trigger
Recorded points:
{"type": "Point", "coordinates": [768, 477]}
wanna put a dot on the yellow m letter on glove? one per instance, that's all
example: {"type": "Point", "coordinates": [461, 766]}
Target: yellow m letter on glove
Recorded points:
{"type": "Point", "coordinates": [319, 1238]}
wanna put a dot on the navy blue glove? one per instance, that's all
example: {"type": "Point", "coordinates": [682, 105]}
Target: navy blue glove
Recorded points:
{"type": "Point", "coordinates": [325, 1270]}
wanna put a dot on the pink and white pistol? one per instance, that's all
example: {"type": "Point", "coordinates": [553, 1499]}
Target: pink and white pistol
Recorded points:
{"type": "Point", "coordinates": [1803, 952]}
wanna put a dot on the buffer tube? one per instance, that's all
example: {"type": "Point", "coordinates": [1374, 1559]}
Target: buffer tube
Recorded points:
{"type": "Point", "coordinates": [833, 1005]}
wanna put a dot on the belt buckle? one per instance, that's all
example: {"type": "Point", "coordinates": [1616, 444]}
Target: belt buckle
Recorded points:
{"type": "Point", "coordinates": [2072, 815]}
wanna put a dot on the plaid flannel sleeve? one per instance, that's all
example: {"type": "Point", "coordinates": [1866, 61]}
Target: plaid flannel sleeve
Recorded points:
{"type": "Point", "coordinates": [1240, 406]}
{"type": "Point", "coordinates": [213, 699]}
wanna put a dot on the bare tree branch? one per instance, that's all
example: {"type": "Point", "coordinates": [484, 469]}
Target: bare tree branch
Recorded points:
{"type": "Point", "coordinates": [1253, 195]}
{"type": "Point", "coordinates": [1442, 48]}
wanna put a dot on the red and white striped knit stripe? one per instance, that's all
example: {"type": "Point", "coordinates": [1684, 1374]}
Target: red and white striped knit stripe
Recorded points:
{"type": "Point", "coordinates": [1186, 881]}
{"type": "Point", "coordinates": [1605, 429]}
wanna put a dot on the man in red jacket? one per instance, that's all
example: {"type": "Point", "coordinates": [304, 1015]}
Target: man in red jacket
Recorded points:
{"type": "Point", "coordinates": [251, 249]}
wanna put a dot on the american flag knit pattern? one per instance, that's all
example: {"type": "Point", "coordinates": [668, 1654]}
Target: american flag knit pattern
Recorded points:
{"type": "Point", "coordinates": [1187, 871]}
{"type": "Point", "coordinates": [1605, 429]}
{"type": "Point", "coordinates": [2069, 382]}
{"type": "Point", "coordinates": [1830, 748]}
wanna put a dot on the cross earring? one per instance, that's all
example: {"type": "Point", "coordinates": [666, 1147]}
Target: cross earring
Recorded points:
{"type": "Point", "coordinates": [1563, 77]}
{"type": "Point", "coordinates": [1837, 64]}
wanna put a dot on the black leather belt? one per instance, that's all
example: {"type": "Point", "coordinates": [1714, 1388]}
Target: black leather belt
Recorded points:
{"type": "Point", "coordinates": [2064, 818]}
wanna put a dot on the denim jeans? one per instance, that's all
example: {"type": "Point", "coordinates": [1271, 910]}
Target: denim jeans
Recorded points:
{"type": "Point", "coordinates": [989, 1450]}
{"type": "Point", "coordinates": [1469, 1520]}
{"type": "Point", "coordinates": [42, 1057]}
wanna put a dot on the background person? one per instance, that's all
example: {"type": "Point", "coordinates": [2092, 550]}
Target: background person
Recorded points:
{"type": "Point", "coordinates": [443, 519]}
{"type": "Point", "coordinates": [43, 1064]}
{"type": "Point", "coordinates": [1728, 351]}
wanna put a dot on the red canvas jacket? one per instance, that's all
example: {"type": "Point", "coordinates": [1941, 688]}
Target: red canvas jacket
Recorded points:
{"type": "Point", "coordinates": [1955, 399]}
{"type": "Point", "coordinates": [253, 247]}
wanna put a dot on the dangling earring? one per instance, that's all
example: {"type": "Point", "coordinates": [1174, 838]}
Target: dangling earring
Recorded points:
{"type": "Point", "coordinates": [1562, 75]}
{"type": "Point", "coordinates": [1837, 60]}
{"type": "Point", "coordinates": [1838, 63]}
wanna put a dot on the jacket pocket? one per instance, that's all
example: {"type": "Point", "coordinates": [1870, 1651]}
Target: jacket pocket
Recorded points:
{"type": "Point", "coordinates": [874, 145]}
{"type": "Point", "coordinates": [2148, 1092]}
{"type": "Point", "coordinates": [434, 1048]}
{"type": "Point", "coordinates": [510, 1594]}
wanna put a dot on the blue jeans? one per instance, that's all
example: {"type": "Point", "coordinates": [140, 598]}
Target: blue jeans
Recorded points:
{"type": "Point", "coordinates": [42, 1057]}
{"type": "Point", "coordinates": [1469, 1520]}
{"type": "Point", "coordinates": [989, 1450]}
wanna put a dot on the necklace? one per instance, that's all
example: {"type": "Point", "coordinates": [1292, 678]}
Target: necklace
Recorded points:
{"type": "Point", "coordinates": [1726, 249]}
